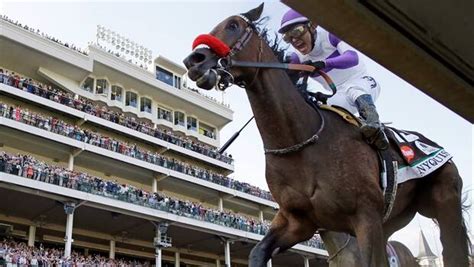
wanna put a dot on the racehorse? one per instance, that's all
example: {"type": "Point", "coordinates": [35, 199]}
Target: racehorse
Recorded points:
{"type": "Point", "coordinates": [319, 169]}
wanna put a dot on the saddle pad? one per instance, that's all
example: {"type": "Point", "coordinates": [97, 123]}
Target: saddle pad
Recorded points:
{"type": "Point", "coordinates": [421, 155]}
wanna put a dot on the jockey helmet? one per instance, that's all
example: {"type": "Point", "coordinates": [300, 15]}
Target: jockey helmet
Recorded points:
{"type": "Point", "coordinates": [290, 18]}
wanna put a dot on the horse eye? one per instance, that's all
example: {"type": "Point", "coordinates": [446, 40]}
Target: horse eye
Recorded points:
{"type": "Point", "coordinates": [233, 26]}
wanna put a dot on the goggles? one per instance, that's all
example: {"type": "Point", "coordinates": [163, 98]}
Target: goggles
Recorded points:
{"type": "Point", "coordinates": [295, 32]}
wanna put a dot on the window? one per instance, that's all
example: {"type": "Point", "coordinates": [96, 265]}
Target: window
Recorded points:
{"type": "Point", "coordinates": [179, 118]}
{"type": "Point", "coordinates": [101, 87]}
{"type": "Point", "coordinates": [164, 75]}
{"type": "Point", "coordinates": [207, 130]}
{"type": "Point", "coordinates": [177, 82]}
{"type": "Point", "coordinates": [164, 114]}
{"type": "Point", "coordinates": [145, 105]}
{"type": "Point", "coordinates": [88, 84]}
{"type": "Point", "coordinates": [192, 124]}
{"type": "Point", "coordinates": [131, 99]}
{"type": "Point", "coordinates": [116, 93]}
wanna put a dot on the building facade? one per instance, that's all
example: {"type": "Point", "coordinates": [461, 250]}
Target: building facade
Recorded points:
{"type": "Point", "coordinates": [99, 154]}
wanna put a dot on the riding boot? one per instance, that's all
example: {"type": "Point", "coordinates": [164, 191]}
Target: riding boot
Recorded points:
{"type": "Point", "coordinates": [372, 129]}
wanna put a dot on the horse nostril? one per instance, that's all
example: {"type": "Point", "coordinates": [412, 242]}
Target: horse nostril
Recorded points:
{"type": "Point", "coordinates": [198, 57]}
{"type": "Point", "coordinates": [194, 59]}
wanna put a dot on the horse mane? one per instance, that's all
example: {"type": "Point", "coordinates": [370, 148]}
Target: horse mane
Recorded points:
{"type": "Point", "coordinates": [275, 43]}
{"type": "Point", "coordinates": [280, 52]}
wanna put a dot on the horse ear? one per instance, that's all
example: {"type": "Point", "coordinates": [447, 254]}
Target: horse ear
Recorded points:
{"type": "Point", "coordinates": [255, 13]}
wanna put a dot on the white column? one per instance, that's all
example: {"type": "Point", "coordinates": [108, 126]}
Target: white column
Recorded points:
{"type": "Point", "coordinates": [306, 261]}
{"type": "Point", "coordinates": [158, 257]}
{"type": "Point", "coordinates": [176, 259]}
{"type": "Point", "coordinates": [69, 209]}
{"type": "Point", "coordinates": [158, 248]}
{"type": "Point", "coordinates": [112, 249]}
{"type": "Point", "coordinates": [220, 204]}
{"type": "Point", "coordinates": [218, 136]}
{"type": "Point", "coordinates": [31, 236]}
{"type": "Point", "coordinates": [154, 185]}
{"type": "Point", "coordinates": [71, 162]}
{"type": "Point", "coordinates": [227, 254]}
{"type": "Point", "coordinates": [218, 263]}
{"type": "Point", "coordinates": [269, 263]}
{"type": "Point", "coordinates": [260, 215]}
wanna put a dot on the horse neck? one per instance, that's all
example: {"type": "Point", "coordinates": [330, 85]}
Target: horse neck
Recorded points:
{"type": "Point", "coordinates": [283, 117]}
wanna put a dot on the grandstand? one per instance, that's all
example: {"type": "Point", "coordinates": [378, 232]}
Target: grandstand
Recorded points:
{"type": "Point", "coordinates": [106, 162]}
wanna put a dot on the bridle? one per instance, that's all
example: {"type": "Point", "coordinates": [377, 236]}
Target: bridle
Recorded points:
{"type": "Point", "coordinates": [225, 63]}
{"type": "Point", "coordinates": [226, 79]}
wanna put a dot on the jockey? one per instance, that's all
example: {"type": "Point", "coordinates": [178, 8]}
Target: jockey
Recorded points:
{"type": "Point", "coordinates": [356, 90]}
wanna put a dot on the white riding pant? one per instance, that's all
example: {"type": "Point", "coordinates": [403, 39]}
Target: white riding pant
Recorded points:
{"type": "Point", "coordinates": [348, 92]}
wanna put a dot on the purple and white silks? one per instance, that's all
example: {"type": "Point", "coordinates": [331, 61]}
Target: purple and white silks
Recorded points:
{"type": "Point", "coordinates": [342, 62]}
{"type": "Point", "coordinates": [343, 66]}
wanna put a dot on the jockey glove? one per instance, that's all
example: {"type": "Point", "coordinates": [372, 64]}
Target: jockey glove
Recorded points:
{"type": "Point", "coordinates": [317, 64]}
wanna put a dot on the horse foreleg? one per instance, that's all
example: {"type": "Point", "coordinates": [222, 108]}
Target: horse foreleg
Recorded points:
{"type": "Point", "coordinates": [284, 233]}
{"type": "Point", "coordinates": [370, 238]}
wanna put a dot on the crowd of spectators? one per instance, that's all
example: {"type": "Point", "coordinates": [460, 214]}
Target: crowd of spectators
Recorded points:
{"type": "Point", "coordinates": [58, 126]}
{"type": "Point", "coordinates": [28, 167]}
{"type": "Point", "coordinates": [16, 253]}
{"type": "Point", "coordinates": [87, 106]}
{"type": "Point", "coordinates": [44, 35]}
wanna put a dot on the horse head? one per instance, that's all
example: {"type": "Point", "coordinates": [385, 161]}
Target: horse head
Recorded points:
{"type": "Point", "coordinates": [235, 38]}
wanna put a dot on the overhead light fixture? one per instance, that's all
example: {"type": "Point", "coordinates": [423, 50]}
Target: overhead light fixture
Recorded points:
{"type": "Point", "coordinates": [121, 44]}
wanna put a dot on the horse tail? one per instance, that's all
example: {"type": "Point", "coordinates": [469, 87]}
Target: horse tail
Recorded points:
{"type": "Point", "coordinates": [466, 205]}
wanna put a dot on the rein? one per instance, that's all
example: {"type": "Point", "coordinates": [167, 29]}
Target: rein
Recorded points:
{"type": "Point", "coordinates": [284, 66]}
{"type": "Point", "coordinates": [301, 67]}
